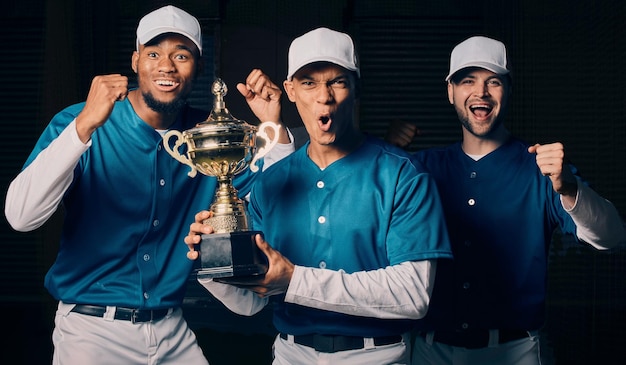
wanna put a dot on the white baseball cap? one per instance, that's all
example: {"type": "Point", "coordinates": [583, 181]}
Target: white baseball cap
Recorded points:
{"type": "Point", "coordinates": [479, 51]}
{"type": "Point", "coordinates": [169, 19]}
{"type": "Point", "coordinates": [322, 45]}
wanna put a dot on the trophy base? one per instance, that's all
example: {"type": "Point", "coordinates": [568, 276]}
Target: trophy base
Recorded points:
{"type": "Point", "coordinates": [234, 254]}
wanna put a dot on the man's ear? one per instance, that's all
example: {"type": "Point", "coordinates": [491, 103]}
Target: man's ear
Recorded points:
{"type": "Point", "coordinates": [450, 92]}
{"type": "Point", "coordinates": [288, 85]}
{"type": "Point", "coordinates": [134, 60]}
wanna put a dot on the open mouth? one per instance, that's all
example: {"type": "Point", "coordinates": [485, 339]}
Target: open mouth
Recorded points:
{"type": "Point", "coordinates": [325, 122]}
{"type": "Point", "coordinates": [166, 84]}
{"type": "Point", "coordinates": [481, 110]}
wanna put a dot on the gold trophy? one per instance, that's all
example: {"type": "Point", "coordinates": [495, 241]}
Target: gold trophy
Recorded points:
{"type": "Point", "coordinates": [223, 146]}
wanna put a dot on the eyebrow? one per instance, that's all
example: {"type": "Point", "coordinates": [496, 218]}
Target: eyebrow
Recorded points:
{"type": "Point", "coordinates": [472, 76]}
{"type": "Point", "coordinates": [185, 48]}
{"type": "Point", "coordinates": [178, 46]}
{"type": "Point", "coordinates": [309, 77]}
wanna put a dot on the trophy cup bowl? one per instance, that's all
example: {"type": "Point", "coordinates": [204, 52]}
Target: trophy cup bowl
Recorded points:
{"type": "Point", "coordinates": [223, 146]}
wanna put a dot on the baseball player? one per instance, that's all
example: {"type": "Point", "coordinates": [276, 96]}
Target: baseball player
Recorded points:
{"type": "Point", "coordinates": [353, 230]}
{"type": "Point", "coordinates": [121, 271]}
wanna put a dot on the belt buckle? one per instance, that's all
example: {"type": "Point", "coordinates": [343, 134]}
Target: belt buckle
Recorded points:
{"type": "Point", "coordinates": [133, 316]}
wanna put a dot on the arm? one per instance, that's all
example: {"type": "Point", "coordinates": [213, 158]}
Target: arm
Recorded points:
{"type": "Point", "coordinates": [597, 221]}
{"type": "Point", "coordinates": [263, 98]}
{"type": "Point", "coordinates": [354, 294]}
{"type": "Point", "coordinates": [403, 290]}
{"type": "Point", "coordinates": [34, 195]}
{"type": "Point", "coordinates": [240, 301]}
{"type": "Point", "coordinates": [37, 191]}
{"type": "Point", "coordinates": [280, 151]}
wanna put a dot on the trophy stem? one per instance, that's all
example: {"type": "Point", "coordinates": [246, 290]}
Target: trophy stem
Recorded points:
{"type": "Point", "coordinates": [228, 210]}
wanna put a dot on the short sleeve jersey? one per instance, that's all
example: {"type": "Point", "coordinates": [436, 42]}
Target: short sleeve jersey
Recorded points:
{"type": "Point", "coordinates": [371, 209]}
{"type": "Point", "coordinates": [127, 212]}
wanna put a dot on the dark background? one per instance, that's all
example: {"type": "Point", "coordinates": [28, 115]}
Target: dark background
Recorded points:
{"type": "Point", "coordinates": [567, 58]}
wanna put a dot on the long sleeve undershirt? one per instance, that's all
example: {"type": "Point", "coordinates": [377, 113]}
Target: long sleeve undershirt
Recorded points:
{"type": "Point", "coordinates": [396, 292]}
{"type": "Point", "coordinates": [597, 221]}
{"type": "Point", "coordinates": [34, 195]}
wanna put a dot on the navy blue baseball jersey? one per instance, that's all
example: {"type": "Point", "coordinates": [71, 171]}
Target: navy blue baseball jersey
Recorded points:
{"type": "Point", "coordinates": [501, 213]}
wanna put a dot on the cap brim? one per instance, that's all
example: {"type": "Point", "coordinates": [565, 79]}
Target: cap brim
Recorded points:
{"type": "Point", "coordinates": [486, 65]}
{"type": "Point", "coordinates": [349, 67]}
{"type": "Point", "coordinates": [153, 33]}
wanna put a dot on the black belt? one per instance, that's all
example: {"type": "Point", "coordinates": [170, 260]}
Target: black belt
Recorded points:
{"type": "Point", "coordinates": [330, 344]}
{"type": "Point", "coordinates": [475, 339]}
{"type": "Point", "coordinates": [125, 314]}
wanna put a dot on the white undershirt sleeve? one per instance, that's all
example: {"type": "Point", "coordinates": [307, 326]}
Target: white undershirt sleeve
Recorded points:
{"type": "Point", "coordinates": [597, 221]}
{"type": "Point", "coordinates": [279, 151]}
{"type": "Point", "coordinates": [34, 195]}
{"type": "Point", "coordinates": [396, 292]}
{"type": "Point", "coordinates": [240, 301]}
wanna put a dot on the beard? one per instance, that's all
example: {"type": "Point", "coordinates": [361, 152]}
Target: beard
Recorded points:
{"type": "Point", "coordinates": [464, 119]}
{"type": "Point", "coordinates": [172, 107]}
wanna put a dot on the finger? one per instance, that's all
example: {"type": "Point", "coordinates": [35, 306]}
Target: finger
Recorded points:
{"type": "Point", "coordinates": [122, 95]}
{"type": "Point", "coordinates": [263, 245]}
{"type": "Point", "coordinates": [253, 76]}
{"type": "Point", "coordinates": [200, 229]}
{"type": "Point", "coordinates": [193, 238]}
{"type": "Point", "coordinates": [261, 87]}
{"type": "Point", "coordinates": [408, 135]}
{"type": "Point", "coordinates": [552, 149]}
{"type": "Point", "coordinates": [202, 216]}
{"type": "Point", "coordinates": [251, 80]}
{"type": "Point", "coordinates": [193, 255]}
{"type": "Point", "coordinates": [260, 84]}
{"type": "Point", "coordinates": [270, 92]}
{"type": "Point", "coordinates": [549, 166]}
{"type": "Point", "coordinates": [245, 91]}
{"type": "Point", "coordinates": [533, 148]}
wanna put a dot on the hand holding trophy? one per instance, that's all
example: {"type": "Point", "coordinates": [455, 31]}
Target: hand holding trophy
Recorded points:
{"type": "Point", "coordinates": [223, 146]}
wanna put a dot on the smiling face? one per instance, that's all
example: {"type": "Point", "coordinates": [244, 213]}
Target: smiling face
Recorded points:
{"type": "Point", "coordinates": [480, 98]}
{"type": "Point", "coordinates": [324, 94]}
{"type": "Point", "coordinates": [166, 68]}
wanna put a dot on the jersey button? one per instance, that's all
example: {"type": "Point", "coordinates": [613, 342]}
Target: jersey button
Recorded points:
{"type": "Point", "coordinates": [322, 264]}
{"type": "Point", "coordinates": [320, 184]}
{"type": "Point", "coordinates": [321, 219]}
{"type": "Point", "coordinates": [471, 202]}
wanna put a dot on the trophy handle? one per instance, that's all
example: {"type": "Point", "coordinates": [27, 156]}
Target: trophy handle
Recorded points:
{"type": "Point", "coordinates": [174, 152]}
{"type": "Point", "coordinates": [269, 144]}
